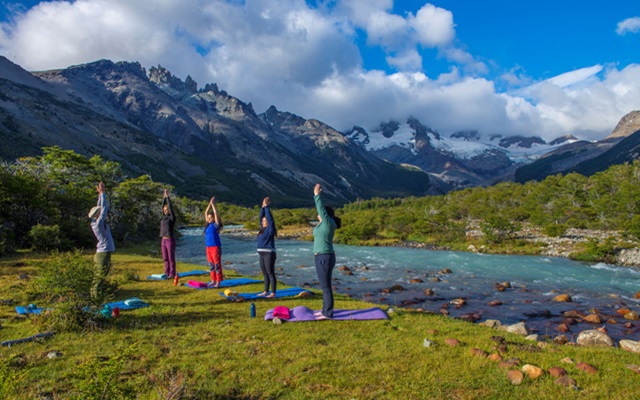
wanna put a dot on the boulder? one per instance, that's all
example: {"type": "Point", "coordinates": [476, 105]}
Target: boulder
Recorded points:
{"type": "Point", "coordinates": [562, 328]}
{"type": "Point", "coordinates": [592, 319]}
{"type": "Point", "coordinates": [429, 292]}
{"type": "Point", "coordinates": [563, 298]}
{"type": "Point", "coordinates": [491, 323]}
{"type": "Point", "coordinates": [452, 342]}
{"type": "Point", "coordinates": [515, 377]}
{"type": "Point", "coordinates": [594, 337]}
{"type": "Point", "coordinates": [633, 316]}
{"type": "Point", "coordinates": [495, 303]}
{"type": "Point", "coordinates": [520, 328]}
{"type": "Point", "coordinates": [416, 280]}
{"type": "Point", "coordinates": [573, 314]}
{"type": "Point", "coordinates": [495, 357]}
{"type": "Point", "coordinates": [479, 352]}
{"type": "Point", "coordinates": [630, 345]}
{"type": "Point", "coordinates": [561, 339]}
{"type": "Point", "coordinates": [557, 372]}
{"type": "Point", "coordinates": [588, 368]}
{"type": "Point", "coordinates": [565, 381]}
{"type": "Point", "coordinates": [532, 371]}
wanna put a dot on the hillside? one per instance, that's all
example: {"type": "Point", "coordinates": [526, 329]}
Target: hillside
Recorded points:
{"type": "Point", "coordinates": [204, 142]}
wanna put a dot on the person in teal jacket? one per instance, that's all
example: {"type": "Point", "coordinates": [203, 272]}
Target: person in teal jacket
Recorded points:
{"type": "Point", "coordinates": [324, 255]}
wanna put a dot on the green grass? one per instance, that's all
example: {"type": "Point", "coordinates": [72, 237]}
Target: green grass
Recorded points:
{"type": "Point", "coordinates": [197, 341]}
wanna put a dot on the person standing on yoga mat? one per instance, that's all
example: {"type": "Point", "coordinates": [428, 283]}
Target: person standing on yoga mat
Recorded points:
{"type": "Point", "coordinates": [168, 243]}
{"type": "Point", "coordinates": [105, 246]}
{"type": "Point", "coordinates": [325, 256]}
{"type": "Point", "coordinates": [214, 246]}
{"type": "Point", "coordinates": [267, 249]}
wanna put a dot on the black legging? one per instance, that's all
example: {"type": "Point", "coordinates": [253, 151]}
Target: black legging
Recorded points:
{"type": "Point", "coordinates": [268, 268]}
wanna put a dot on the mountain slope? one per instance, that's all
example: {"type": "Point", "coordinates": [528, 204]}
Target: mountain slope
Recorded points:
{"type": "Point", "coordinates": [588, 158]}
{"type": "Point", "coordinates": [205, 142]}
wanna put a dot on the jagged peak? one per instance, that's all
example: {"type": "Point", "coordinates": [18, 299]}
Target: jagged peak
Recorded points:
{"type": "Point", "coordinates": [162, 76]}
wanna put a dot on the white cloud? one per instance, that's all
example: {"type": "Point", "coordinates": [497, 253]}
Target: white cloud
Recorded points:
{"type": "Point", "coordinates": [629, 25]}
{"type": "Point", "coordinates": [304, 60]}
{"type": "Point", "coordinates": [433, 26]}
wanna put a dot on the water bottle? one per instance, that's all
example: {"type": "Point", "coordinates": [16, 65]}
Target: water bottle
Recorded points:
{"type": "Point", "coordinates": [253, 310]}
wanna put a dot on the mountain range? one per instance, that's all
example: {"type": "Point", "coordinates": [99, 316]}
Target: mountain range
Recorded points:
{"type": "Point", "coordinates": [206, 142]}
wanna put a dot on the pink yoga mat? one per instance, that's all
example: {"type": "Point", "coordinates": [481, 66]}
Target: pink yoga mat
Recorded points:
{"type": "Point", "coordinates": [302, 313]}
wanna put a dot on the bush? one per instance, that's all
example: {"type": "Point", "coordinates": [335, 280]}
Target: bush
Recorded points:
{"type": "Point", "coordinates": [45, 237]}
{"type": "Point", "coordinates": [597, 252]}
{"type": "Point", "coordinates": [63, 284]}
{"type": "Point", "coordinates": [555, 230]}
{"type": "Point", "coordinates": [498, 229]}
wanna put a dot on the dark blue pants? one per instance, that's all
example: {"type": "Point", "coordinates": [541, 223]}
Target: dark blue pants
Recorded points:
{"type": "Point", "coordinates": [324, 268]}
{"type": "Point", "coordinates": [268, 268]}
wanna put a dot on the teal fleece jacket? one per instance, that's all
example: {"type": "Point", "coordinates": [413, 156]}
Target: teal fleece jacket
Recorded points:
{"type": "Point", "coordinates": [324, 231]}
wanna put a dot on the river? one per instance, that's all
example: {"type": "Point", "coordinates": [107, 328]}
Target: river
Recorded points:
{"type": "Point", "coordinates": [534, 281]}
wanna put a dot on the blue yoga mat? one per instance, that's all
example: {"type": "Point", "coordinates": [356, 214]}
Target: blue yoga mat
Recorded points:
{"type": "Point", "coordinates": [127, 304]}
{"type": "Point", "coordinates": [160, 277]}
{"type": "Point", "coordinates": [22, 310]}
{"type": "Point", "coordinates": [279, 294]}
{"type": "Point", "coordinates": [224, 283]}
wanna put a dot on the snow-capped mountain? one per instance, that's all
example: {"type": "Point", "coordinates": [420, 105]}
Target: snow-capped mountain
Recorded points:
{"type": "Point", "coordinates": [463, 159]}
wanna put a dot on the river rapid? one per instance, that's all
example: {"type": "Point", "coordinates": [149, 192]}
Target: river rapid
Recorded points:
{"type": "Point", "coordinates": [534, 281]}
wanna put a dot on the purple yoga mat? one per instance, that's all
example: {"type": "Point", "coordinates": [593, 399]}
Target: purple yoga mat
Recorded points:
{"type": "Point", "coordinates": [302, 313]}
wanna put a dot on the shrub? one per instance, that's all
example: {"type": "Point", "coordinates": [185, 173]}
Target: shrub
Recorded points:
{"type": "Point", "coordinates": [45, 237]}
{"type": "Point", "coordinates": [555, 230]}
{"type": "Point", "coordinates": [595, 251]}
{"type": "Point", "coordinates": [64, 283]}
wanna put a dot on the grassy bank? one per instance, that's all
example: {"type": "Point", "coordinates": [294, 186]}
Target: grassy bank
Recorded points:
{"type": "Point", "coordinates": [197, 343]}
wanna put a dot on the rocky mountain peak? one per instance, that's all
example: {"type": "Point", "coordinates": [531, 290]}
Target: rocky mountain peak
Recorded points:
{"type": "Point", "coordinates": [466, 135]}
{"type": "Point", "coordinates": [521, 141]}
{"type": "Point", "coordinates": [629, 124]}
{"type": "Point", "coordinates": [563, 139]}
{"type": "Point", "coordinates": [166, 80]}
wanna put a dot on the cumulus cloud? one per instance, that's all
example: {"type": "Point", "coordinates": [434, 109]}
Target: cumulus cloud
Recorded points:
{"type": "Point", "coordinates": [305, 60]}
{"type": "Point", "coordinates": [629, 25]}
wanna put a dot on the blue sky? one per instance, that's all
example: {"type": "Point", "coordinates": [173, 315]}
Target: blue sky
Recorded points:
{"type": "Point", "coordinates": [545, 68]}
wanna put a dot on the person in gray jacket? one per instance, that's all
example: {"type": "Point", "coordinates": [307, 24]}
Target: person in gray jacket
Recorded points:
{"type": "Point", "coordinates": [105, 246]}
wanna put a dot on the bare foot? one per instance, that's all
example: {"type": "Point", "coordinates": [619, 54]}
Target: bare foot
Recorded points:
{"type": "Point", "coordinates": [262, 294]}
{"type": "Point", "coordinates": [217, 284]}
{"type": "Point", "coordinates": [321, 317]}
{"type": "Point", "coordinates": [271, 296]}
{"type": "Point", "coordinates": [316, 313]}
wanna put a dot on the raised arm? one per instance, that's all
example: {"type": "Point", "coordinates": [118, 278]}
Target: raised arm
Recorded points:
{"type": "Point", "coordinates": [206, 212]}
{"type": "Point", "coordinates": [265, 211]}
{"type": "Point", "coordinates": [102, 202]}
{"type": "Point", "coordinates": [216, 216]}
{"type": "Point", "coordinates": [322, 212]}
{"type": "Point", "coordinates": [167, 200]}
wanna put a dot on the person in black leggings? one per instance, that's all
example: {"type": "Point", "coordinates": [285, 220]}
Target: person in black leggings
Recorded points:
{"type": "Point", "coordinates": [267, 249]}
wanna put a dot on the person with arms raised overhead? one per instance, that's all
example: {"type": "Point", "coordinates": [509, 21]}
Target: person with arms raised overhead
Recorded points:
{"type": "Point", "coordinates": [168, 243]}
{"type": "Point", "coordinates": [324, 255]}
{"type": "Point", "coordinates": [212, 230]}
{"type": "Point", "coordinates": [267, 249]}
{"type": "Point", "coordinates": [105, 246]}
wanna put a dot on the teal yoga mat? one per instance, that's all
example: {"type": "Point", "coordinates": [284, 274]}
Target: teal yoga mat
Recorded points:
{"type": "Point", "coordinates": [290, 292]}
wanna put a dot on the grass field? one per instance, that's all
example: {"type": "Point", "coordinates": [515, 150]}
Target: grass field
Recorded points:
{"type": "Point", "coordinates": [195, 344]}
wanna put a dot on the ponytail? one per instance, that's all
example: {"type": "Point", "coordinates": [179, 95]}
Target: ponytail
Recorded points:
{"type": "Point", "coordinates": [332, 214]}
